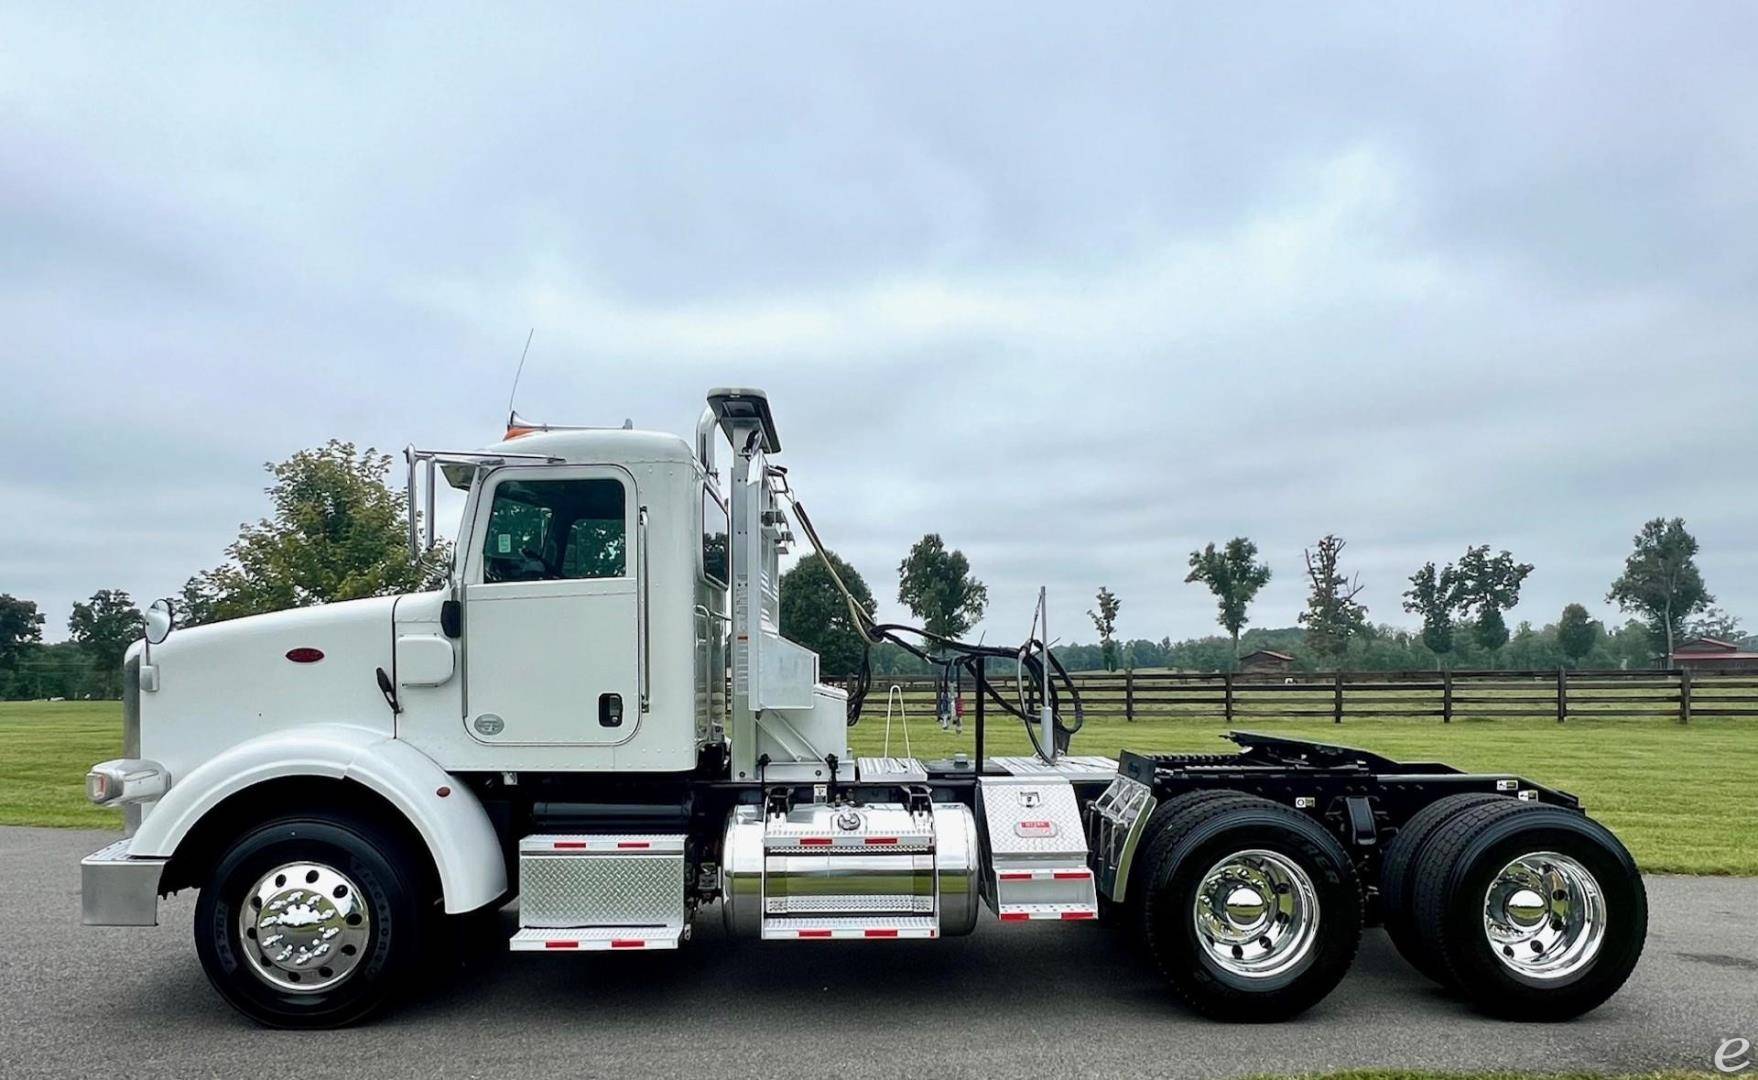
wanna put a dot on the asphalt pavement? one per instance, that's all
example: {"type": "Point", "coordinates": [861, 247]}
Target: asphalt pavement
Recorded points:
{"type": "Point", "coordinates": [1033, 1000]}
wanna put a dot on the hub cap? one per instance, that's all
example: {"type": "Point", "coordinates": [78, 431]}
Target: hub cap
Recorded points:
{"type": "Point", "coordinates": [1544, 916]}
{"type": "Point", "coordinates": [1256, 914]}
{"type": "Point", "coordinates": [304, 927]}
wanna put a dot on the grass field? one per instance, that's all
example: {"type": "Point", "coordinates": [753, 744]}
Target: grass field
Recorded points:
{"type": "Point", "coordinates": [1683, 797]}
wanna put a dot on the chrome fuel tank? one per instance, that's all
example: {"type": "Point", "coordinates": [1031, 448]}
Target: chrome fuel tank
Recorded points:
{"type": "Point", "coordinates": [867, 861]}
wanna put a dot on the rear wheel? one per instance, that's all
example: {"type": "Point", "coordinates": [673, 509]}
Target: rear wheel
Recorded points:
{"type": "Point", "coordinates": [1536, 912]}
{"type": "Point", "coordinates": [1251, 910]}
{"type": "Point", "coordinates": [1171, 814]}
{"type": "Point", "coordinates": [1398, 875]}
{"type": "Point", "coordinates": [312, 922]}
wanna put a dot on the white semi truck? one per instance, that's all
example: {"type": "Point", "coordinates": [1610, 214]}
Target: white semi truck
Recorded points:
{"type": "Point", "coordinates": [599, 716]}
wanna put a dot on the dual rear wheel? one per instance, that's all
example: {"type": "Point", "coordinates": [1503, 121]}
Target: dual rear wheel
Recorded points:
{"type": "Point", "coordinates": [1253, 911]}
{"type": "Point", "coordinates": [1533, 912]}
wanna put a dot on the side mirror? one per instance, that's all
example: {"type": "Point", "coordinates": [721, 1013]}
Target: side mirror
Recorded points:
{"type": "Point", "coordinates": [160, 618]}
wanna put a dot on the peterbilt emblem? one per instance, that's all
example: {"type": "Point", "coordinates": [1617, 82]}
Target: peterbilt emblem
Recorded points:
{"type": "Point", "coordinates": [490, 724]}
{"type": "Point", "coordinates": [848, 821]}
{"type": "Point", "coordinates": [1029, 799]}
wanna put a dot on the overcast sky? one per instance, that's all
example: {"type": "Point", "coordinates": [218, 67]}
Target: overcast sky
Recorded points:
{"type": "Point", "coordinates": [1079, 289]}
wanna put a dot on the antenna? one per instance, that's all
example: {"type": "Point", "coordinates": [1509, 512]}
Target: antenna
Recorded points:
{"type": "Point", "coordinates": [522, 354]}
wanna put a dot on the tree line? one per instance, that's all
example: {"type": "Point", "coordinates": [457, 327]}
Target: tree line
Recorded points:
{"type": "Point", "coordinates": [336, 531]}
{"type": "Point", "coordinates": [1462, 606]}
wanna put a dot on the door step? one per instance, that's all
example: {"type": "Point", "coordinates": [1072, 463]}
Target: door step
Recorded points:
{"type": "Point", "coordinates": [597, 939]}
{"type": "Point", "coordinates": [1030, 912]}
{"type": "Point", "coordinates": [1037, 848]}
{"type": "Point", "coordinates": [592, 891]}
{"type": "Point", "coordinates": [847, 928]}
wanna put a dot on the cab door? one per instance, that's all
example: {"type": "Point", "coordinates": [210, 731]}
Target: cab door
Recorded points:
{"type": "Point", "coordinates": [552, 620]}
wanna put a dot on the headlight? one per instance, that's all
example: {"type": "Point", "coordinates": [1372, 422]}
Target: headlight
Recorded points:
{"type": "Point", "coordinates": [126, 780]}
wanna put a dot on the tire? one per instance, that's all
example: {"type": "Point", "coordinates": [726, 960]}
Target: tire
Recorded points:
{"type": "Point", "coordinates": [1398, 875]}
{"type": "Point", "coordinates": [1303, 951]}
{"type": "Point", "coordinates": [1548, 865]}
{"type": "Point", "coordinates": [358, 889]}
{"type": "Point", "coordinates": [1150, 848]}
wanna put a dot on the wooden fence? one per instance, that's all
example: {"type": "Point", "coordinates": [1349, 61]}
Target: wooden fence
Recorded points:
{"type": "Point", "coordinates": [1160, 695]}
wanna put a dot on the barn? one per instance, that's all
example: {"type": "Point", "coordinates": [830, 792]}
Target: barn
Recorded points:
{"type": "Point", "coordinates": [1267, 662]}
{"type": "Point", "coordinates": [1712, 654]}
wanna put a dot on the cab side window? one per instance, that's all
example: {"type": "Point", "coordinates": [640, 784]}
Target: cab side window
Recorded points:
{"type": "Point", "coordinates": [551, 530]}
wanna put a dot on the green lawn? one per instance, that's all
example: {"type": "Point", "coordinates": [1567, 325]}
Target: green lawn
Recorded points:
{"type": "Point", "coordinates": [45, 749]}
{"type": "Point", "coordinates": [1682, 796]}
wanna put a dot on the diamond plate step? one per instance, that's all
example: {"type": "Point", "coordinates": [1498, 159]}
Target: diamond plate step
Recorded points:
{"type": "Point", "coordinates": [1030, 912]}
{"type": "Point", "coordinates": [850, 928]}
{"type": "Point", "coordinates": [569, 880]}
{"type": "Point", "coordinates": [597, 939]}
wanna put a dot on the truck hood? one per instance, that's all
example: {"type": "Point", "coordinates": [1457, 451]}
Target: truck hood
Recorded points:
{"type": "Point", "coordinates": [220, 684]}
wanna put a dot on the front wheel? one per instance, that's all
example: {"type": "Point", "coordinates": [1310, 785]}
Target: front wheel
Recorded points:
{"type": "Point", "coordinates": [312, 922]}
{"type": "Point", "coordinates": [1252, 910]}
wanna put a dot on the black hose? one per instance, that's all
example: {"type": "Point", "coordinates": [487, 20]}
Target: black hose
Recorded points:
{"type": "Point", "coordinates": [965, 655]}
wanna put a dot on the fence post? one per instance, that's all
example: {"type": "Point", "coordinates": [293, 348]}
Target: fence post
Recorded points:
{"type": "Point", "coordinates": [1446, 695]}
{"type": "Point", "coordinates": [1562, 694]}
{"type": "Point", "coordinates": [1129, 695]}
{"type": "Point", "coordinates": [1337, 708]}
{"type": "Point", "coordinates": [1227, 695]}
{"type": "Point", "coordinates": [1684, 695]}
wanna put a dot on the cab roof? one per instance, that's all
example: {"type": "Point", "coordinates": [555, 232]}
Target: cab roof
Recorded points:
{"type": "Point", "coordinates": [597, 446]}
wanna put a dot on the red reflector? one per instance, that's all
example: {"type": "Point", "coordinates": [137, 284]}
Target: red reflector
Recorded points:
{"type": "Point", "coordinates": [1014, 916]}
{"type": "Point", "coordinates": [815, 933]}
{"type": "Point", "coordinates": [1016, 876]}
{"type": "Point", "coordinates": [626, 943]}
{"type": "Point", "coordinates": [1071, 875]}
{"type": "Point", "coordinates": [632, 844]}
{"type": "Point", "coordinates": [305, 656]}
{"type": "Point", "coordinates": [561, 944]}
{"type": "Point", "coordinates": [881, 933]}
{"type": "Point", "coordinates": [563, 845]}
{"type": "Point", "coordinates": [1079, 915]}
{"type": "Point", "coordinates": [881, 839]}
{"type": "Point", "coordinates": [814, 841]}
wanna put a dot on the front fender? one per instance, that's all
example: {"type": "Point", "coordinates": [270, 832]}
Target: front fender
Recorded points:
{"type": "Point", "coordinates": [454, 826]}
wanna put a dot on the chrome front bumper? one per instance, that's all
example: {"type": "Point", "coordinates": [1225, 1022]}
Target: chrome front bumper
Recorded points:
{"type": "Point", "coordinates": [117, 890]}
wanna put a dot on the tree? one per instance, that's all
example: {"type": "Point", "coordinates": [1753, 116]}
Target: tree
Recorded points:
{"type": "Point", "coordinates": [1661, 581]}
{"type": "Point", "coordinates": [937, 586]}
{"type": "Point", "coordinates": [104, 627]}
{"type": "Point", "coordinates": [1434, 595]}
{"type": "Point", "coordinates": [1577, 634]}
{"type": "Point", "coordinates": [814, 613]}
{"type": "Point", "coordinates": [336, 533]}
{"type": "Point", "coordinates": [1234, 576]}
{"type": "Point", "coordinates": [1717, 624]}
{"type": "Point", "coordinates": [21, 626]}
{"type": "Point", "coordinates": [1332, 612]}
{"type": "Point", "coordinates": [1487, 586]}
{"type": "Point", "coordinates": [1105, 622]}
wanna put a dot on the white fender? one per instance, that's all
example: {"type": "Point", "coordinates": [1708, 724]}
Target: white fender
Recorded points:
{"type": "Point", "coordinates": [455, 827]}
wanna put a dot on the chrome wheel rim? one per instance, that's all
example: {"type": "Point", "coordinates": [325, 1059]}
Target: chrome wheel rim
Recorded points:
{"type": "Point", "coordinates": [1256, 914]}
{"type": "Point", "coordinates": [1544, 916]}
{"type": "Point", "coordinates": [304, 927]}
